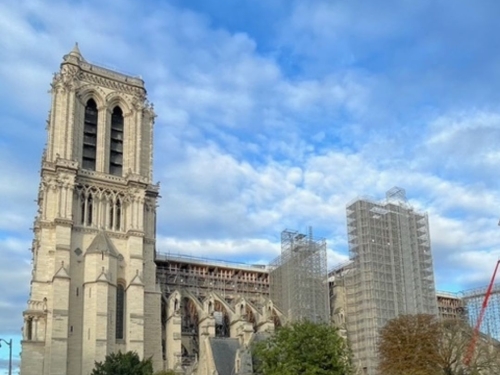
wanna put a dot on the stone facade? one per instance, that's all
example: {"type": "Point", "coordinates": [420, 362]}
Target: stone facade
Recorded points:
{"type": "Point", "coordinates": [93, 288]}
{"type": "Point", "coordinates": [212, 335]}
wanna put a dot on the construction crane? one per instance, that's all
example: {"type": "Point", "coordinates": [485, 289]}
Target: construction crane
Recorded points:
{"type": "Point", "coordinates": [472, 345]}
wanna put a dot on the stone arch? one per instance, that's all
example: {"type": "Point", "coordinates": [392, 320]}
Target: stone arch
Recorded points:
{"type": "Point", "coordinates": [208, 305]}
{"type": "Point", "coordinates": [190, 326]}
{"type": "Point", "coordinates": [228, 308]}
{"type": "Point", "coordinates": [248, 312]}
{"type": "Point", "coordinates": [273, 314]}
{"type": "Point", "coordinates": [250, 316]}
{"type": "Point", "coordinates": [116, 99]}
{"type": "Point", "coordinates": [277, 318]}
{"type": "Point", "coordinates": [190, 315]}
{"type": "Point", "coordinates": [90, 91]}
{"type": "Point", "coordinates": [222, 319]}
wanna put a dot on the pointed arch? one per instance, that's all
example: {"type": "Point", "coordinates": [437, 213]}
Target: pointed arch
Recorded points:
{"type": "Point", "coordinates": [89, 153]}
{"type": "Point", "coordinates": [250, 317]}
{"type": "Point", "coordinates": [91, 91]}
{"type": "Point", "coordinates": [115, 207]}
{"type": "Point", "coordinates": [116, 142]}
{"type": "Point", "coordinates": [222, 320]}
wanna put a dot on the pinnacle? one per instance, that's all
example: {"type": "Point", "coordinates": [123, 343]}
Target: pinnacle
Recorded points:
{"type": "Point", "coordinates": [75, 50]}
{"type": "Point", "coordinates": [74, 54]}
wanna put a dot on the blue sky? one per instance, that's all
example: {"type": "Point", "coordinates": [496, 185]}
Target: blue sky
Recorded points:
{"type": "Point", "coordinates": [273, 114]}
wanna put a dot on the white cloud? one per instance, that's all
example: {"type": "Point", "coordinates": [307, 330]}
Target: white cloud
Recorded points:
{"type": "Point", "coordinates": [249, 143]}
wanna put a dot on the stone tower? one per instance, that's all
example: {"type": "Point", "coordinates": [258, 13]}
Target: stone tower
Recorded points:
{"type": "Point", "coordinates": [93, 288]}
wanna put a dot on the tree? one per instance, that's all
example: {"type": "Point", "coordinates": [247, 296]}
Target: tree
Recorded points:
{"type": "Point", "coordinates": [423, 345]}
{"type": "Point", "coordinates": [454, 342]}
{"type": "Point", "coordinates": [123, 364]}
{"type": "Point", "coordinates": [409, 345]}
{"type": "Point", "coordinates": [303, 348]}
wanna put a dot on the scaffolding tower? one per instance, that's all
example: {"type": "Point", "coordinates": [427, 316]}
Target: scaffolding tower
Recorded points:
{"type": "Point", "coordinates": [473, 300]}
{"type": "Point", "coordinates": [391, 272]}
{"type": "Point", "coordinates": [298, 278]}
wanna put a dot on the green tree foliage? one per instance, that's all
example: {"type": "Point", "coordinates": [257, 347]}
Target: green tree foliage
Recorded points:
{"type": "Point", "coordinates": [123, 364]}
{"type": "Point", "coordinates": [303, 348]}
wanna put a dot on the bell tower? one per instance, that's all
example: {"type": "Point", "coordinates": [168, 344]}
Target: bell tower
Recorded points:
{"type": "Point", "coordinates": [93, 287]}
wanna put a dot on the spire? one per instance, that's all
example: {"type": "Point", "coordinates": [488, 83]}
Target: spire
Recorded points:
{"type": "Point", "coordinates": [76, 51]}
{"type": "Point", "coordinates": [74, 55]}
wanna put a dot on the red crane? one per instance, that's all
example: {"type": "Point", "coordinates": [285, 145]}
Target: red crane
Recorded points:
{"type": "Point", "coordinates": [472, 346]}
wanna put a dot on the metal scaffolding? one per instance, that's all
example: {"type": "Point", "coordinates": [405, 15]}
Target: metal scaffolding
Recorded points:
{"type": "Point", "coordinates": [473, 300]}
{"type": "Point", "coordinates": [298, 278]}
{"type": "Point", "coordinates": [200, 276]}
{"type": "Point", "coordinates": [391, 272]}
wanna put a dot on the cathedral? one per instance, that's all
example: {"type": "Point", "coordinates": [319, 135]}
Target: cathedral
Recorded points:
{"type": "Point", "coordinates": [95, 288]}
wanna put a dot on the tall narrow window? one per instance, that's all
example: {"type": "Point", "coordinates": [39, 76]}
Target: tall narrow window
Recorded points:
{"type": "Point", "coordinates": [90, 210]}
{"type": "Point", "coordinates": [120, 310]}
{"type": "Point", "coordinates": [83, 204]}
{"type": "Point", "coordinates": [118, 214]}
{"type": "Point", "coordinates": [116, 143]}
{"type": "Point", "coordinates": [29, 328]}
{"type": "Point", "coordinates": [90, 136]}
{"type": "Point", "coordinates": [111, 213]}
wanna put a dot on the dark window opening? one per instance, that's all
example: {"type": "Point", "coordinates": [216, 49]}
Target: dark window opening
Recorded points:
{"type": "Point", "coordinates": [111, 214]}
{"type": "Point", "coordinates": [118, 215]}
{"type": "Point", "coordinates": [120, 310]}
{"type": "Point", "coordinates": [89, 210]}
{"type": "Point", "coordinates": [82, 208]}
{"type": "Point", "coordinates": [116, 143]}
{"type": "Point", "coordinates": [90, 136]}
{"type": "Point", "coordinates": [29, 329]}
{"type": "Point", "coordinates": [189, 331]}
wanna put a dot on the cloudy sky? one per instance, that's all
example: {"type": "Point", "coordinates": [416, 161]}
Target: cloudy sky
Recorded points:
{"type": "Point", "coordinates": [273, 114]}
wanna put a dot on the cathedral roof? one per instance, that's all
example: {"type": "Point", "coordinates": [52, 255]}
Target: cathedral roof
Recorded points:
{"type": "Point", "coordinates": [102, 244]}
{"type": "Point", "coordinates": [224, 354]}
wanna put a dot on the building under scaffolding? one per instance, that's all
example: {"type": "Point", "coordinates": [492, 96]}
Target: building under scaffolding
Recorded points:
{"type": "Point", "coordinates": [390, 273]}
{"type": "Point", "coordinates": [450, 306]}
{"type": "Point", "coordinates": [473, 300]}
{"type": "Point", "coordinates": [200, 276]}
{"type": "Point", "coordinates": [298, 278]}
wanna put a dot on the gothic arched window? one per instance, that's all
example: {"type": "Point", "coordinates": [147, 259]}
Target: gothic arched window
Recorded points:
{"type": "Point", "coordinates": [120, 311]}
{"type": "Point", "coordinates": [115, 214]}
{"type": "Point", "coordinates": [90, 136]}
{"type": "Point", "coordinates": [116, 143]}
